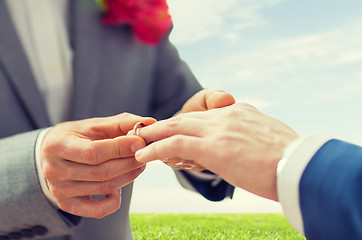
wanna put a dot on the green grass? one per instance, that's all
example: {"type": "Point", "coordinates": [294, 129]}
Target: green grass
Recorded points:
{"type": "Point", "coordinates": [212, 226]}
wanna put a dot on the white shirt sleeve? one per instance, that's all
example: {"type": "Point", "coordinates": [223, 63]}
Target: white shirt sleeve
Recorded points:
{"type": "Point", "coordinates": [43, 183]}
{"type": "Point", "coordinates": [296, 157]}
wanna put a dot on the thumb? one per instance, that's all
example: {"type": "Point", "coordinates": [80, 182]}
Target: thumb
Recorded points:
{"type": "Point", "coordinates": [208, 99]}
{"type": "Point", "coordinates": [218, 99]}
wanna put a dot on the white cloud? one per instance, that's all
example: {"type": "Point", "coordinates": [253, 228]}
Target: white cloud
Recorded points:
{"type": "Point", "coordinates": [249, 12]}
{"type": "Point", "coordinates": [354, 87]}
{"type": "Point", "coordinates": [289, 66]}
{"type": "Point", "coordinates": [232, 36]}
{"type": "Point", "coordinates": [197, 20]}
{"type": "Point", "coordinates": [349, 56]}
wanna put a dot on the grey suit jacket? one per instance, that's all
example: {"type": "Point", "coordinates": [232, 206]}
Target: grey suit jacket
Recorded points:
{"type": "Point", "coordinates": [113, 73]}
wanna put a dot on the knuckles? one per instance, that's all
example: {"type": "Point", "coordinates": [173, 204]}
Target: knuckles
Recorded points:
{"type": "Point", "coordinates": [56, 191]}
{"type": "Point", "coordinates": [50, 171]}
{"type": "Point", "coordinates": [177, 142]}
{"type": "Point", "coordinates": [90, 154]}
{"type": "Point", "coordinates": [50, 146]}
{"type": "Point", "coordinates": [126, 115]}
{"type": "Point", "coordinates": [175, 122]}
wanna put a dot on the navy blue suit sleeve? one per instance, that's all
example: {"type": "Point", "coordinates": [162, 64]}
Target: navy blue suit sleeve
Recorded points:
{"type": "Point", "coordinates": [331, 192]}
{"type": "Point", "coordinates": [205, 187]}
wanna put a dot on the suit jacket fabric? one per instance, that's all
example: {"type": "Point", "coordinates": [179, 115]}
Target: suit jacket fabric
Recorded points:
{"type": "Point", "coordinates": [331, 192]}
{"type": "Point", "coordinates": [112, 73]}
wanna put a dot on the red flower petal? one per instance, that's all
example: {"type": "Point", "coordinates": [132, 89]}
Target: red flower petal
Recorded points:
{"type": "Point", "coordinates": [152, 25]}
{"type": "Point", "coordinates": [149, 19]}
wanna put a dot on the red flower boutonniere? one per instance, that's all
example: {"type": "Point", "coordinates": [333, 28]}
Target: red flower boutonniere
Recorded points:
{"type": "Point", "coordinates": [149, 19]}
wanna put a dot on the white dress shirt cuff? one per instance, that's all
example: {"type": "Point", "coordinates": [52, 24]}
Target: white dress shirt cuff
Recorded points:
{"type": "Point", "coordinates": [296, 157]}
{"type": "Point", "coordinates": [43, 183]}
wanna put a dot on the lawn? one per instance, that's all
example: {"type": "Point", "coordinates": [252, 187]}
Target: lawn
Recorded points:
{"type": "Point", "coordinates": [212, 226]}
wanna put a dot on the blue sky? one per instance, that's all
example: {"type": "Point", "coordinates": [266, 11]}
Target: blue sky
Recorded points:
{"type": "Point", "coordinates": [298, 61]}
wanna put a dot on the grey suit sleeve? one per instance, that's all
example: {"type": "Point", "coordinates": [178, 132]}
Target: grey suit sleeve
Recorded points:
{"type": "Point", "coordinates": [22, 202]}
{"type": "Point", "coordinates": [174, 82]}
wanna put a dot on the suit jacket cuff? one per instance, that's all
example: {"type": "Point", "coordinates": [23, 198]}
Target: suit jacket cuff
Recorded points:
{"type": "Point", "coordinates": [43, 183]}
{"type": "Point", "coordinates": [208, 184]}
{"type": "Point", "coordinates": [296, 157]}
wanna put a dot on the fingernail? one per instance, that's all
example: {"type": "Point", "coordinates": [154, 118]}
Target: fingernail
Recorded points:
{"type": "Point", "coordinates": [138, 154]}
{"type": "Point", "coordinates": [130, 133]}
{"type": "Point", "coordinates": [136, 146]}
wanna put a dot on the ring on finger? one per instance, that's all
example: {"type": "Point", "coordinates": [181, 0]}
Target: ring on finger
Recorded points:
{"type": "Point", "coordinates": [136, 128]}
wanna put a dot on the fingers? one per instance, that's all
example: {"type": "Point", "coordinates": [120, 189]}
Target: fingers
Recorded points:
{"type": "Point", "coordinates": [66, 190]}
{"type": "Point", "coordinates": [70, 171]}
{"type": "Point", "coordinates": [179, 146]}
{"type": "Point", "coordinates": [93, 152]}
{"type": "Point", "coordinates": [92, 208]}
{"type": "Point", "coordinates": [118, 125]}
{"type": "Point", "coordinates": [75, 197]}
{"type": "Point", "coordinates": [183, 124]}
{"type": "Point", "coordinates": [106, 171]}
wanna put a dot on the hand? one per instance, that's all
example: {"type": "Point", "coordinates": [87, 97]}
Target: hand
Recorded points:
{"type": "Point", "coordinates": [91, 157]}
{"type": "Point", "coordinates": [238, 142]}
{"type": "Point", "coordinates": [202, 101]}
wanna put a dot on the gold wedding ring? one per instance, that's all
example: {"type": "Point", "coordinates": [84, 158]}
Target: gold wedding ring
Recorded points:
{"type": "Point", "coordinates": [136, 128]}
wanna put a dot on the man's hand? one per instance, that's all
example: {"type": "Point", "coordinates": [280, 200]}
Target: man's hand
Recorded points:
{"type": "Point", "coordinates": [238, 142]}
{"type": "Point", "coordinates": [202, 101]}
{"type": "Point", "coordinates": [91, 157]}
{"type": "Point", "coordinates": [208, 99]}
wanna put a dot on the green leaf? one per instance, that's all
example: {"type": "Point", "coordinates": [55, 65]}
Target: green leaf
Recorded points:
{"type": "Point", "coordinates": [102, 4]}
